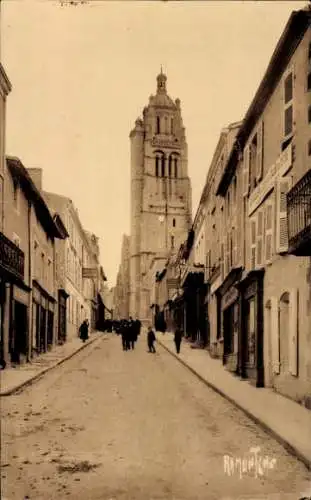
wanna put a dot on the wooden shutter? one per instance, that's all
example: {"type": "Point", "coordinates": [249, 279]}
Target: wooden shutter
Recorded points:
{"type": "Point", "coordinates": [234, 247]}
{"type": "Point", "coordinates": [259, 159]}
{"type": "Point", "coordinates": [252, 226]}
{"type": "Point", "coordinates": [274, 334]}
{"type": "Point", "coordinates": [260, 232]}
{"type": "Point", "coordinates": [269, 219]}
{"type": "Point", "coordinates": [246, 167]}
{"type": "Point", "coordinates": [282, 187]}
{"type": "Point", "coordinates": [222, 264]}
{"type": "Point", "coordinates": [293, 332]}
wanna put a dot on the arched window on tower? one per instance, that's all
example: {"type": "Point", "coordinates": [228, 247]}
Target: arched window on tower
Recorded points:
{"type": "Point", "coordinates": [176, 167]}
{"type": "Point", "coordinates": [170, 166]}
{"type": "Point", "coordinates": [163, 166]}
{"type": "Point", "coordinates": [158, 125]}
{"type": "Point", "coordinates": [174, 222]}
{"type": "Point", "coordinates": [172, 125]}
{"type": "Point", "coordinates": [166, 124]}
{"type": "Point", "coordinates": [157, 161]}
{"type": "Point", "coordinates": [159, 158]}
{"type": "Point", "coordinates": [172, 241]}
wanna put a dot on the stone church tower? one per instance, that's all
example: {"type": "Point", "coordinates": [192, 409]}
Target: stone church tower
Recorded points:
{"type": "Point", "coordinates": [160, 190]}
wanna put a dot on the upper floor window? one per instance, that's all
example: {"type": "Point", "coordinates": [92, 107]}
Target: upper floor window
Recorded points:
{"type": "Point", "coordinates": [288, 88]}
{"type": "Point", "coordinates": [158, 125]}
{"type": "Point", "coordinates": [172, 241]}
{"type": "Point", "coordinates": [309, 81]}
{"type": "Point", "coordinates": [174, 222]}
{"type": "Point", "coordinates": [288, 105]}
{"type": "Point", "coordinates": [172, 125]}
{"type": "Point", "coordinates": [253, 161]}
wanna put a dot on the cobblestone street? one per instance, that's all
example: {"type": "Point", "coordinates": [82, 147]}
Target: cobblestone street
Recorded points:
{"type": "Point", "coordinates": [110, 424]}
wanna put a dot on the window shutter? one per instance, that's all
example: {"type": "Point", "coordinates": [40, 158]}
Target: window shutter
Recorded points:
{"type": "Point", "coordinates": [234, 247]}
{"type": "Point", "coordinates": [253, 243]}
{"type": "Point", "coordinates": [283, 186]}
{"type": "Point", "coordinates": [222, 270]}
{"type": "Point", "coordinates": [268, 248]}
{"type": "Point", "coordinates": [229, 246]}
{"type": "Point", "coordinates": [293, 332]}
{"type": "Point", "coordinates": [246, 171]}
{"type": "Point", "coordinates": [260, 143]}
{"type": "Point", "coordinates": [260, 231]}
{"type": "Point", "coordinates": [274, 333]}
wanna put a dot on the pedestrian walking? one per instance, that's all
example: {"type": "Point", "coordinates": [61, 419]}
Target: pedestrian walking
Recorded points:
{"type": "Point", "coordinates": [177, 339]}
{"type": "Point", "coordinates": [151, 338]}
{"type": "Point", "coordinates": [123, 331]}
{"type": "Point", "coordinates": [84, 330]}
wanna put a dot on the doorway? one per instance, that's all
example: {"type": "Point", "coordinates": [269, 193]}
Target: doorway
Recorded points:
{"type": "Point", "coordinates": [284, 333]}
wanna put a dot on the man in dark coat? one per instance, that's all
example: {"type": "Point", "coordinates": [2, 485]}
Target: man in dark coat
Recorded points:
{"type": "Point", "coordinates": [151, 338]}
{"type": "Point", "coordinates": [131, 333]}
{"type": "Point", "coordinates": [123, 331]}
{"type": "Point", "coordinates": [177, 339]}
{"type": "Point", "coordinates": [84, 330]}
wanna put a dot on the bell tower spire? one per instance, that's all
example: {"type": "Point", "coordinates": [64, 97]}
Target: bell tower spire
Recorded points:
{"type": "Point", "coordinates": [161, 82]}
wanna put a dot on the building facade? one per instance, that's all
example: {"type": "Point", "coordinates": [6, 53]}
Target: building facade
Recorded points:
{"type": "Point", "coordinates": [160, 192]}
{"type": "Point", "coordinates": [30, 300]}
{"type": "Point", "coordinates": [11, 259]}
{"type": "Point", "coordinates": [77, 256]}
{"type": "Point", "coordinates": [272, 159]}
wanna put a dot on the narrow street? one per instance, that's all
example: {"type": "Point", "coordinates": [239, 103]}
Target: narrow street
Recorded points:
{"type": "Point", "coordinates": [110, 424]}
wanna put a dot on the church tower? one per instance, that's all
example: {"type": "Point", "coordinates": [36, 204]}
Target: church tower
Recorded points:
{"type": "Point", "coordinates": [160, 190]}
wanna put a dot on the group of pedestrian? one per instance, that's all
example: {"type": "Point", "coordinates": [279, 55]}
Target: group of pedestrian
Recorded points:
{"type": "Point", "coordinates": [129, 330]}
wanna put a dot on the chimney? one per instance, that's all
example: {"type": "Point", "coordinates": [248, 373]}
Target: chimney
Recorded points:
{"type": "Point", "coordinates": [36, 176]}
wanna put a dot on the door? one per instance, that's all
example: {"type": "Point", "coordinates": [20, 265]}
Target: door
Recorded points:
{"type": "Point", "coordinates": [284, 332]}
{"type": "Point", "coordinates": [250, 333]}
{"type": "Point", "coordinates": [50, 325]}
{"type": "Point", "coordinates": [43, 336]}
{"type": "Point", "coordinates": [20, 331]}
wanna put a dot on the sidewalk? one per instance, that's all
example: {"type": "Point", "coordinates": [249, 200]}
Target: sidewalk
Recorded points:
{"type": "Point", "coordinates": [13, 379]}
{"type": "Point", "coordinates": [287, 421]}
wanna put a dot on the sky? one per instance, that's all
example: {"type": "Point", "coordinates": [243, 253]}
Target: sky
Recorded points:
{"type": "Point", "coordinates": [81, 75]}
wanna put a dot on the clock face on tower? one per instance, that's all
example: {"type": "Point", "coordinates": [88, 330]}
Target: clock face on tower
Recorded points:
{"type": "Point", "coordinates": [161, 218]}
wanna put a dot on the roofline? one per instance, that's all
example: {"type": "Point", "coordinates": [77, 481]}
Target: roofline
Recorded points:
{"type": "Point", "coordinates": [16, 167]}
{"type": "Point", "coordinates": [294, 31]}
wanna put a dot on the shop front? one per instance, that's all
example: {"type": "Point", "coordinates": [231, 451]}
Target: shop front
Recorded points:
{"type": "Point", "coordinates": [229, 302]}
{"type": "Point", "coordinates": [43, 307]}
{"type": "Point", "coordinates": [14, 300]}
{"type": "Point", "coordinates": [251, 362]}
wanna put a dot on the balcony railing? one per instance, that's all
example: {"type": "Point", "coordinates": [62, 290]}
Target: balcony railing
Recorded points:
{"type": "Point", "coordinates": [12, 258]}
{"type": "Point", "coordinates": [299, 217]}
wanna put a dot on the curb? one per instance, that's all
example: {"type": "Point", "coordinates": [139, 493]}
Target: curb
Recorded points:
{"type": "Point", "coordinates": [40, 374]}
{"type": "Point", "coordinates": [288, 446]}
